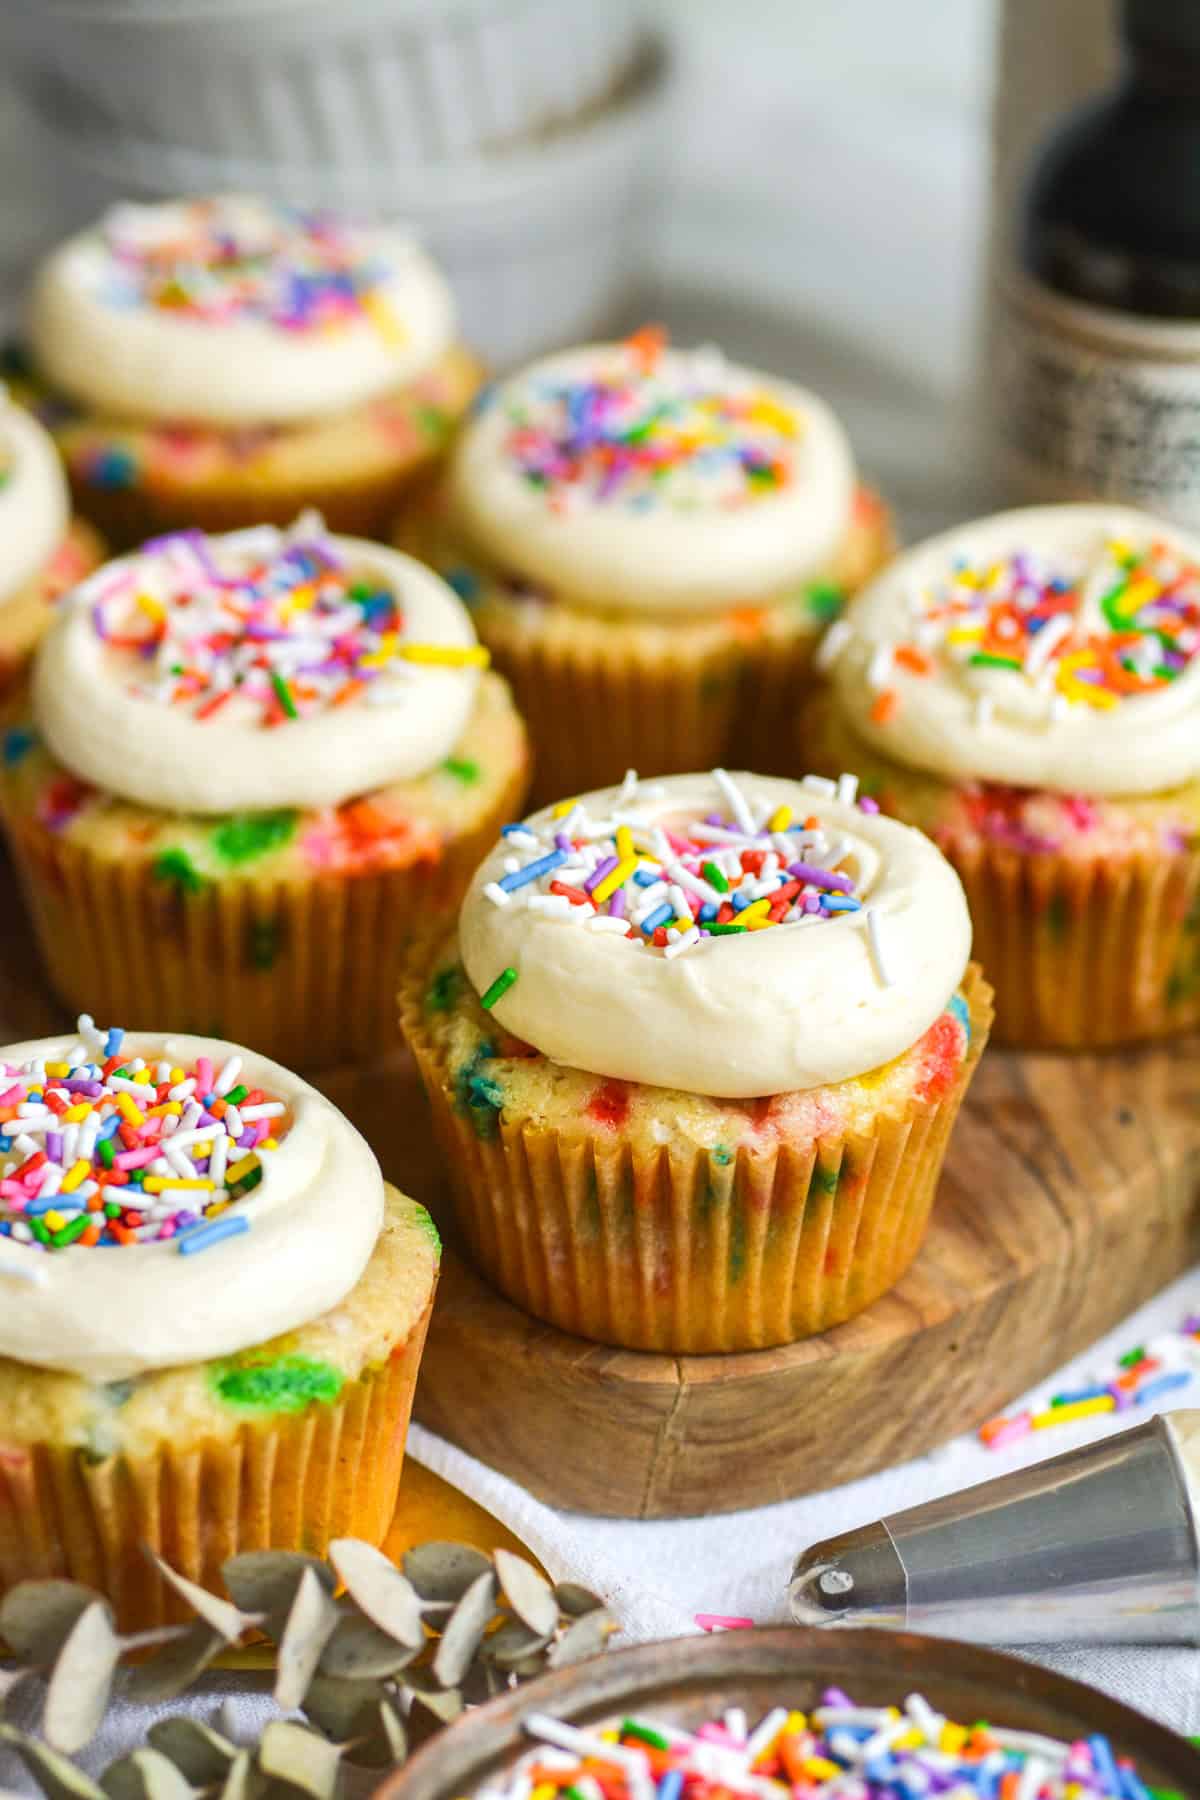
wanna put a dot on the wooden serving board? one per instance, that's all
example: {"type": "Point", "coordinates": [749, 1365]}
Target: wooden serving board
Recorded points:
{"type": "Point", "coordinates": [1071, 1194]}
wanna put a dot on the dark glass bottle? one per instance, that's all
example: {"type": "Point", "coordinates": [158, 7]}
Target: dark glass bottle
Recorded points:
{"type": "Point", "coordinates": [1100, 345]}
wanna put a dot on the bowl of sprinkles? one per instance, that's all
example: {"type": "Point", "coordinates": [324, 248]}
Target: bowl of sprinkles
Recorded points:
{"type": "Point", "coordinates": [207, 1292]}
{"type": "Point", "coordinates": [294, 752]}
{"type": "Point", "coordinates": [660, 533]}
{"type": "Point", "coordinates": [783, 1714]}
{"type": "Point", "coordinates": [1027, 690]}
{"type": "Point", "coordinates": [732, 1000]}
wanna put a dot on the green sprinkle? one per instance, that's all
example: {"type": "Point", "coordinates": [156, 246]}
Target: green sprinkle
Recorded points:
{"type": "Point", "coordinates": [74, 1228]}
{"type": "Point", "coordinates": [444, 989]}
{"type": "Point", "coordinates": [714, 877]}
{"type": "Point", "coordinates": [498, 989]}
{"type": "Point", "coordinates": [983, 660]}
{"type": "Point", "coordinates": [246, 835]}
{"type": "Point", "coordinates": [237, 1094]}
{"type": "Point", "coordinates": [177, 866]}
{"type": "Point", "coordinates": [106, 1152]}
{"type": "Point", "coordinates": [722, 1155]}
{"type": "Point", "coordinates": [725, 930]}
{"type": "Point", "coordinates": [462, 768]}
{"type": "Point", "coordinates": [283, 694]}
{"type": "Point", "coordinates": [288, 1384]}
{"type": "Point", "coordinates": [111, 1210]}
{"type": "Point", "coordinates": [425, 1223]}
{"type": "Point", "coordinates": [644, 1734]}
{"type": "Point", "coordinates": [39, 1231]}
{"type": "Point", "coordinates": [825, 600]}
{"type": "Point", "coordinates": [1132, 1357]}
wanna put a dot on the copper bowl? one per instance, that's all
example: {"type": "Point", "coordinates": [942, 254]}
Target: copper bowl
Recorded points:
{"type": "Point", "coordinates": [689, 1679]}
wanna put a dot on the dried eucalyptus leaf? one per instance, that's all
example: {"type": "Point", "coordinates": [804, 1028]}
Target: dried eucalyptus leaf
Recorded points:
{"type": "Point", "coordinates": [464, 1630]}
{"type": "Point", "coordinates": [342, 1709]}
{"type": "Point", "coordinates": [146, 1775]}
{"type": "Point", "coordinates": [299, 1758]}
{"type": "Point", "coordinates": [221, 1615]}
{"type": "Point", "coordinates": [586, 1637]}
{"type": "Point", "coordinates": [37, 1617]}
{"type": "Point", "coordinates": [59, 1778]}
{"type": "Point", "coordinates": [385, 1745]}
{"type": "Point", "coordinates": [575, 1601]}
{"type": "Point", "coordinates": [359, 1651]}
{"type": "Point", "coordinates": [81, 1680]}
{"type": "Point", "coordinates": [513, 1643]}
{"type": "Point", "coordinates": [265, 1582]}
{"type": "Point", "coordinates": [442, 1573]}
{"type": "Point", "coordinates": [528, 1593]}
{"type": "Point", "coordinates": [311, 1623]}
{"type": "Point", "coordinates": [430, 1711]}
{"type": "Point", "coordinates": [197, 1751]}
{"type": "Point", "coordinates": [166, 1675]}
{"type": "Point", "coordinates": [379, 1590]}
{"type": "Point", "coordinates": [243, 1780]}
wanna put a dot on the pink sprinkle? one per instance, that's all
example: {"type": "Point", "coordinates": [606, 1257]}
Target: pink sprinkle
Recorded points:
{"type": "Point", "coordinates": [204, 1075]}
{"type": "Point", "coordinates": [14, 1096]}
{"type": "Point", "coordinates": [1011, 1431]}
{"type": "Point", "coordinates": [714, 1733]}
{"type": "Point", "coordinates": [722, 1622]}
{"type": "Point", "coordinates": [135, 1159]}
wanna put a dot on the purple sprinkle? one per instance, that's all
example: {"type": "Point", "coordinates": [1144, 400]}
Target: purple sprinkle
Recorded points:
{"type": "Point", "coordinates": [599, 872]}
{"type": "Point", "coordinates": [616, 904]}
{"type": "Point", "coordinates": [78, 1084]}
{"type": "Point", "coordinates": [810, 903]}
{"type": "Point", "coordinates": [867, 805]}
{"type": "Point", "coordinates": [561, 841]}
{"type": "Point", "coordinates": [54, 1146]}
{"type": "Point", "coordinates": [836, 1696]}
{"type": "Point", "coordinates": [823, 878]}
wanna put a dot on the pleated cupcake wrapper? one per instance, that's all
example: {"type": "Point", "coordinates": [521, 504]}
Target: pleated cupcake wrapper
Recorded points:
{"type": "Point", "coordinates": [305, 969]}
{"type": "Point", "coordinates": [669, 1250]}
{"type": "Point", "coordinates": [285, 1482]}
{"type": "Point", "coordinates": [1085, 954]}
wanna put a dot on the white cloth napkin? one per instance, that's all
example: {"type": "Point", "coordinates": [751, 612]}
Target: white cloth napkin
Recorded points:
{"type": "Point", "coordinates": [658, 1575]}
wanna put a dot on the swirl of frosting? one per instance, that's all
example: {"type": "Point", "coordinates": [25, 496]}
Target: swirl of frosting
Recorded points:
{"type": "Point", "coordinates": [256, 670]}
{"type": "Point", "coordinates": [234, 311]}
{"type": "Point", "coordinates": [727, 935]}
{"type": "Point", "coordinates": [1055, 647]}
{"type": "Point", "coordinates": [632, 477]}
{"type": "Point", "coordinates": [34, 510]}
{"type": "Point", "coordinates": [168, 1200]}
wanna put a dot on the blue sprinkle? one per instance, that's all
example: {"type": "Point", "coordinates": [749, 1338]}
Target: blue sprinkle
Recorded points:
{"type": "Point", "coordinates": [113, 1041]}
{"type": "Point", "coordinates": [113, 468]}
{"type": "Point", "coordinates": [646, 877]}
{"type": "Point", "coordinates": [708, 911]}
{"type": "Point", "coordinates": [839, 903]}
{"type": "Point", "coordinates": [1105, 1763]}
{"type": "Point", "coordinates": [465, 583]}
{"type": "Point", "coordinates": [512, 830]}
{"type": "Point", "coordinates": [671, 1785]}
{"type": "Point", "coordinates": [1132, 1787]}
{"type": "Point", "coordinates": [6, 1143]}
{"type": "Point", "coordinates": [961, 1012]}
{"type": "Point", "coordinates": [16, 746]}
{"type": "Point", "coordinates": [203, 1237]}
{"type": "Point", "coordinates": [532, 871]}
{"type": "Point", "coordinates": [740, 902]}
{"type": "Point", "coordinates": [658, 917]}
{"type": "Point", "coordinates": [1078, 1394]}
{"type": "Point", "coordinates": [1162, 1384]}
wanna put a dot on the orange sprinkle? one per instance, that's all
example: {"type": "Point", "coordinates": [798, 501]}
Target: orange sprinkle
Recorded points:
{"type": "Point", "coordinates": [91, 1236]}
{"type": "Point", "coordinates": [914, 660]}
{"type": "Point", "coordinates": [884, 706]}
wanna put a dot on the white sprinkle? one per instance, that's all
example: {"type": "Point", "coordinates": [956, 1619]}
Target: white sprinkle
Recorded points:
{"type": "Point", "coordinates": [736, 800]}
{"type": "Point", "coordinates": [1060, 707]}
{"type": "Point", "coordinates": [765, 1733]}
{"type": "Point", "coordinates": [605, 922]}
{"type": "Point", "coordinates": [881, 968]}
{"type": "Point", "coordinates": [1045, 642]}
{"type": "Point", "coordinates": [228, 1076]}
{"type": "Point", "coordinates": [820, 784]}
{"type": "Point", "coordinates": [182, 1090]}
{"type": "Point", "coordinates": [694, 884]}
{"type": "Point", "coordinates": [735, 1723]}
{"type": "Point", "coordinates": [880, 667]}
{"type": "Point", "coordinates": [832, 644]}
{"type": "Point", "coordinates": [557, 905]}
{"type": "Point", "coordinates": [924, 1718]}
{"type": "Point", "coordinates": [684, 941]}
{"type": "Point", "coordinates": [847, 789]}
{"type": "Point", "coordinates": [985, 707]}
{"type": "Point", "coordinates": [217, 1160]}
{"type": "Point", "coordinates": [233, 1121]}
{"type": "Point", "coordinates": [270, 1109]}
{"type": "Point", "coordinates": [629, 788]}
{"type": "Point", "coordinates": [496, 894]}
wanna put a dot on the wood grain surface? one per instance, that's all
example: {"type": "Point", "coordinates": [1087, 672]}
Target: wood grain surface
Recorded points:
{"type": "Point", "coordinates": [1071, 1194]}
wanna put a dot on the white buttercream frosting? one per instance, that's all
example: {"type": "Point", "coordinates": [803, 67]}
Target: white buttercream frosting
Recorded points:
{"type": "Point", "coordinates": [107, 1313]}
{"type": "Point", "coordinates": [631, 479]}
{"type": "Point", "coordinates": [131, 695]}
{"type": "Point", "coordinates": [34, 509]}
{"type": "Point", "coordinates": [234, 312]}
{"type": "Point", "coordinates": [1098, 608]}
{"type": "Point", "coordinates": [790, 1006]}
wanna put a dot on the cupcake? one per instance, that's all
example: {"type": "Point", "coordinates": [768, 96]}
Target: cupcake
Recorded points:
{"type": "Point", "coordinates": [694, 1055]}
{"type": "Point", "coordinates": [651, 542]}
{"type": "Point", "coordinates": [222, 362]}
{"type": "Point", "coordinates": [1024, 689]}
{"type": "Point", "coordinates": [249, 772]}
{"type": "Point", "coordinates": [212, 1310]}
{"type": "Point", "coordinates": [43, 551]}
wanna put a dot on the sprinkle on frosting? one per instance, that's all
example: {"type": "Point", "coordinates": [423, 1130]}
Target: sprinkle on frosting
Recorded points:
{"type": "Point", "coordinates": [670, 885]}
{"type": "Point", "coordinates": [224, 261]}
{"type": "Point", "coordinates": [856, 1752]}
{"type": "Point", "coordinates": [279, 624]}
{"type": "Point", "coordinates": [1093, 634]}
{"type": "Point", "coordinates": [100, 1150]}
{"type": "Point", "coordinates": [640, 431]}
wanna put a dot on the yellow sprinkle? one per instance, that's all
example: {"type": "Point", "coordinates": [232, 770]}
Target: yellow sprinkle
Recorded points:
{"type": "Point", "coordinates": [564, 807]}
{"type": "Point", "coordinates": [269, 1144]}
{"type": "Point", "coordinates": [1079, 1409]}
{"type": "Point", "coordinates": [780, 819]}
{"type": "Point", "coordinates": [545, 1790]}
{"type": "Point", "coordinates": [953, 1738]}
{"type": "Point", "coordinates": [74, 1176]}
{"type": "Point", "coordinates": [144, 1076]}
{"type": "Point", "coordinates": [610, 1737]}
{"type": "Point", "coordinates": [167, 1107]}
{"type": "Point", "coordinates": [53, 1221]}
{"type": "Point", "coordinates": [57, 1069]}
{"type": "Point", "coordinates": [624, 842]}
{"type": "Point", "coordinates": [238, 1171]}
{"type": "Point", "coordinates": [758, 923]}
{"type": "Point", "coordinates": [161, 1184]}
{"type": "Point", "coordinates": [451, 655]}
{"type": "Point", "coordinates": [964, 634]}
{"type": "Point", "coordinates": [821, 1768]}
{"type": "Point", "coordinates": [390, 328]}
{"type": "Point", "coordinates": [796, 1721]}
{"type": "Point", "coordinates": [615, 879]}
{"type": "Point", "coordinates": [131, 1113]}
{"type": "Point", "coordinates": [755, 910]}
{"type": "Point", "coordinates": [912, 1740]}
{"type": "Point", "coordinates": [74, 1115]}
{"type": "Point", "coordinates": [211, 1212]}
{"type": "Point", "coordinates": [150, 607]}
{"type": "Point", "coordinates": [176, 1076]}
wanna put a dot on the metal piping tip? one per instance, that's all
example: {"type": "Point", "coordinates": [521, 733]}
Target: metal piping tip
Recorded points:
{"type": "Point", "coordinates": [854, 1579]}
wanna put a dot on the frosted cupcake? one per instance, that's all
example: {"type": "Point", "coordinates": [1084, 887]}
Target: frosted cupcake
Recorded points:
{"type": "Point", "coordinates": [651, 541]}
{"type": "Point", "coordinates": [251, 769]}
{"type": "Point", "coordinates": [227, 361]}
{"type": "Point", "coordinates": [43, 551]}
{"type": "Point", "coordinates": [212, 1310]}
{"type": "Point", "coordinates": [695, 1055]}
{"type": "Point", "coordinates": [1026, 690]}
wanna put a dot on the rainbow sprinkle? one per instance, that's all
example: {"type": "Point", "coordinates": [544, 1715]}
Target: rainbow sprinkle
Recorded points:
{"type": "Point", "coordinates": [1144, 1374]}
{"type": "Point", "coordinates": [1126, 623]}
{"type": "Point", "coordinates": [224, 261]}
{"type": "Point", "coordinates": [670, 885]}
{"type": "Point", "coordinates": [853, 1752]}
{"type": "Point", "coordinates": [276, 622]}
{"type": "Point", "coordinates": [102, 1150]}
{"type": "Point", "coordinates": [645, 430]}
